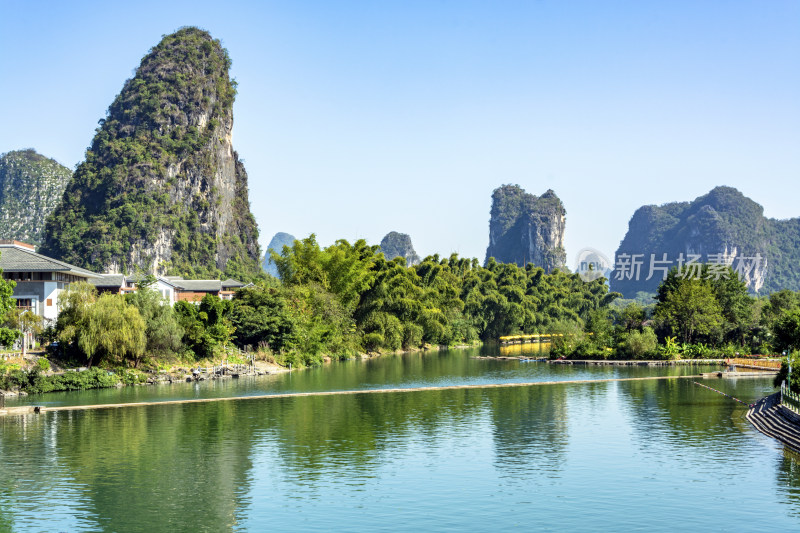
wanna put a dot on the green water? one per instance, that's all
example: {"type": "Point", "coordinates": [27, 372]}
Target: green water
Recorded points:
{"type": "Point", "coordinates": [621, 456]}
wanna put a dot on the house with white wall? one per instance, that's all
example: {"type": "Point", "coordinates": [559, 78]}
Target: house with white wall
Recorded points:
{"type": "Point", "coordinates": [40, 279]}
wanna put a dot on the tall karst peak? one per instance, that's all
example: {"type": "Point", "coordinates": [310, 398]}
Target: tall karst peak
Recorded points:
{"type": "Point", "coordinates": [524, 228]}
{"type": "Point", "coordinates": [30, 187]}
{"type": "Point", "coordinates": [279, 240]}
{"type": "Point", "coordinates": [723, 225]}
{"type": "Point", "coordinates": [396, 244]}
{"type": "Point", "coordinates": [162, 188]}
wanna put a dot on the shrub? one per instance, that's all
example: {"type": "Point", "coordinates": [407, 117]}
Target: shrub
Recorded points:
{"type": "Point", "coordinates": [641, 344]}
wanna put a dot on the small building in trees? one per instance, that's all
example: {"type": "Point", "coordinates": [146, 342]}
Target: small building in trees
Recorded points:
{"type": "Point", "coordinates": [122, 284]}
{"type": "Point", "coordinates": [172, 288]}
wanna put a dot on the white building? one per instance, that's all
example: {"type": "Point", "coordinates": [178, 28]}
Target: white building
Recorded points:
{"type": "Point", "coordinates": [40, 279]}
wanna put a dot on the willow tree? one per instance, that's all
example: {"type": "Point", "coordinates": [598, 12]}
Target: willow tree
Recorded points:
{"type": "Point", "coordinates": [103, 329]}
{"type": "Point", "coordinates": [114, 332]}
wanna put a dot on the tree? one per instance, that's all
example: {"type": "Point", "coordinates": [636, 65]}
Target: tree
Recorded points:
{"type": "Point", "coordinates": [207, 329]}
{"type": "Point", "coordinates": [690, 309]}
{"type": "Point", "coordinates": [100, 329]}
{"type": "Point", "coordinates": [7, 335]}
{"type": "Point", "coordinates": [74, 305]}
{"type": "Point", "coordinates": [25, 321]}
{"type": "Point", "coordinates": [641, 343]}
{"type": "Point", "coordinates": [786, 331]}
{"type": "Point", "coordinates": [262, 315]}
{"type": "Point", "coordinates": [113, 332]}
{"type": "Point", "coordinates": [163, 332]}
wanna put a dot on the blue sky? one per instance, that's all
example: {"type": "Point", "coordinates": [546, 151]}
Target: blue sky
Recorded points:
{"type": "Point", "coordinates": [358, 118]}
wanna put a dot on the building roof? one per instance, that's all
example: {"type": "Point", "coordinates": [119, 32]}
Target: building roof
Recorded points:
{"type": "Point", "coordinates": [197, 285]}
{"type": "Point", "coordinates": [14, 258]}
{"type": "Point", "coordinates": [108, 280]}
{"type": "Point", "coordinates": [232, 284]}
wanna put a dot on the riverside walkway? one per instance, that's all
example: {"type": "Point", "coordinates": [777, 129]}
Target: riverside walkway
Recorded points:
{"type": "Point", "coordinates": [41, 409]}
{"type": "Point", "coordinates": [768, 417]}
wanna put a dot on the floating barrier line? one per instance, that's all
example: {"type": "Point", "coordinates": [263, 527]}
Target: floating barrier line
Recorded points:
{"type": "Point", "coordinates": [726, 395]}
{"type": "Point", "coordinates": [41, 409]}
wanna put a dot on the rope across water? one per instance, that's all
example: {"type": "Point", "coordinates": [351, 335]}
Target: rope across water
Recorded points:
{"type": "Point", "coordinates": [351, 392]}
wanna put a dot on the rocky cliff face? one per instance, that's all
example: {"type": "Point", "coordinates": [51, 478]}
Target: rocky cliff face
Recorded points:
{"type": "Point", "coordinates": [162, 187]}
{"type": "Point", "coordinates": [527, 229]}
{"type": "Point", "coordinates": [399, 245]}
{"type": "Point", "coordinates": [721, 226]}
{"type": "Point", "coordinates": [279, 240]}
{"type": "Point", "coordinates": [30, 187]}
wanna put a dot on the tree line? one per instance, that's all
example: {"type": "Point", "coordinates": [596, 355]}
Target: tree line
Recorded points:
{"type": "Point", "coordinates": [347, 299]}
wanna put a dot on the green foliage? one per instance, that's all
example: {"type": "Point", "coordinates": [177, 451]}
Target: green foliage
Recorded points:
{"type": "Point", "coordinates": [670, 350]}
{"type": "Point", "coordinates": [163, 332]}
{"type": "Point", "coordinates": [641, 344]}
{"type": "Point", "coordinates": [30, 187]}
{"type": "Point", "coordinates": [100, 329]}
{"type": "Point", "coordinates": [786, 330]}
{"type": "Point", "coordinates": [7, 305]}
{"type": "Point", "coordinates": [723, 219]}
{"type": "Point", "coordinates": [207, 328]}
{"type": "Point", "coordinates": [263, 318]}
{"type": "Point", "coordinates": [35, 382]}
{"type": "Point", "coordinates": [161, 134]}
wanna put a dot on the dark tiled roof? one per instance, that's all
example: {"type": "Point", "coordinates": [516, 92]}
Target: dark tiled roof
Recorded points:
{"type": "Point", "coordinates": [198, 285]}
{"type": "Point", "coordinates": [108, 280]}
{"type": "Point", "coordinates": [13, 259]}
{"type": "Point", "coordinates": [232, 283]}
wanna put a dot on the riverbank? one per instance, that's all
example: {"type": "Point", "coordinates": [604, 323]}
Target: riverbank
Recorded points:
{"type": "Point", "coordinates": [33, 380]}
{"type": "Point", "coordinates": [774, 420]}
{"type": "Point", "coordinates": [612, 362]}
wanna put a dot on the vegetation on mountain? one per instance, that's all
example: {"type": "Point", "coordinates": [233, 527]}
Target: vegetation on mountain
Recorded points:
{"type": "Point", "coordinates": [724, 221]}
{"type": "Point", "coordinates": [526, 229]}
{"type": "Point", "coordinates": [30, 187]}
{"type": "Point", "coordinates": [161, 187]}
{"type": "Point", "coordinates": [396, 244]}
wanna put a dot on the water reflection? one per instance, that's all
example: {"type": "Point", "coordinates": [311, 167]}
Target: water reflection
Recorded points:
{"type": "Point", "coordinates": [622, 455]}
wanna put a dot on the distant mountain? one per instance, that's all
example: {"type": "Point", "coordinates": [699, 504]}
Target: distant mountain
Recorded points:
{"type": "Point", "coordinates": [277, 243]}
{"type": "Point", "coordinates": [30, 187]}
{"type": "Point", "coordinates": [723, 226]}
{"type": "Point", "coordinates": [162, 188]}
{"type": "Point", "coordinates": [524, 228]}
{"type": "Point", "coordinates": [399, 245]}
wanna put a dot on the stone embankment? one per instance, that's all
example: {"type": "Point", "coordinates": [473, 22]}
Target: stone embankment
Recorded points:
{"type": "Point", "coordinates": [775, 420]}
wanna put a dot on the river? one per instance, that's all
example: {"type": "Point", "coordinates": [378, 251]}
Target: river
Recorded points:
{"type": "Point", "coordinates": [659, 455]}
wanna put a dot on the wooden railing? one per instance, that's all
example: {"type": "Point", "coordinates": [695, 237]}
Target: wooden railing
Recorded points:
{"type": "Point", "coordinates": [764, 364]}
